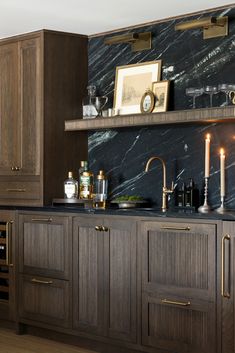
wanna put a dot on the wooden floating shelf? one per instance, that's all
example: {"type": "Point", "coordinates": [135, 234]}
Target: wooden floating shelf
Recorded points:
{"type": "Point", "coordinates": [220, 114]}
{"type": "Point", "coordinates": [4, 275]}
{"type": "Point", "coordinates": [4, 289]}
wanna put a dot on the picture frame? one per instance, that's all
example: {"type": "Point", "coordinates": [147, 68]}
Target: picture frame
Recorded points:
{"type": "Point", "coordinates": [131, 82]}
{"type": "Point", "coordinates": [161, 92]}
{"type": "Point", "coordinates": [147, 102]}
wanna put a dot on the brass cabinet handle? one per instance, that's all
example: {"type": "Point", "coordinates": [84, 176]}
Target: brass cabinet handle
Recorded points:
{"type": "Point", "coordinates": [166, 301]}
{"type": "Point", "coordinates": [34, 280]}
{"type": "Point", "coordinates": [224, 293]}
{"type": "Point", "coordinates": [9, 244]}
{"type": "Point", "coordinates": [104, 229]}
{"type": "Point", "coordinates": [16, 190]}
{"type": "Point", "coordinates": [15, 168]}
{"type": "Point", "coordinates": [101, 228]}
{"type": "Point", "coordinates": [175, 228]}
{"type": "Point", "coordinates": [42, 220]}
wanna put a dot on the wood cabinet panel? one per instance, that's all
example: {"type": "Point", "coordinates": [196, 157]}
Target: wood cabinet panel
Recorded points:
{"type": "Point", "coordinates": [179, 286]}
{"type": "Point", "coordinates": [44, 299]}
{"type": "Point", "coordinates": [9, 107]}
{"type": "Point", "coordinates": [227, 293]}
{"type": "Point", "coordinates": [44, 245]}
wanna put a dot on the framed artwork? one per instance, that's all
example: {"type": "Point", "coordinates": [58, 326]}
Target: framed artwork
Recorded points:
{"type": "Point", "coordinates": [147, 102]}
{"type": "Point", "coordinates": [161, 93]}
{"type": "Point", "coordinates": [131, 82]}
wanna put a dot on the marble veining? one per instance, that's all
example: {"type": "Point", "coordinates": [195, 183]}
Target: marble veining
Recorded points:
{"type": "Point", "coordinates": [188, 61]}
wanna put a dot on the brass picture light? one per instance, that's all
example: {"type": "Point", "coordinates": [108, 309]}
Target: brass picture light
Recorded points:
{"type": "Point", "coordinates": [138, 41]}
{"type": "Point", "coordinates": [212, 26]}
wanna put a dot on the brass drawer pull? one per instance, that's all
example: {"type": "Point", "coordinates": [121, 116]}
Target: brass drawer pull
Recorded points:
{"type": "Point", "coordinates": [42, 220]}
{"type": "Point", "coordinates": [104, 229]}
{"type": "Point", "coordinates": [224, 293]}
{"type": "Point", "coordinates": [175, 228]}
{"type": "Point", "coordinates": [34, 280]}
{"type": "Point", "coordinates": [16, 190]}
{"type": "Point", "coordinates": [15, 169]}
{"type": "Point", "coordinates": [166, 301]}
{"type": "Point", "coordinates": [98, 228]}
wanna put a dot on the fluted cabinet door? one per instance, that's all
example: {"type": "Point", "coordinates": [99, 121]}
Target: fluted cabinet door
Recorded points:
{"type": "Point", "coordinates": [178, 286]}
{"type": "Point", "coordinates": [227, 292]}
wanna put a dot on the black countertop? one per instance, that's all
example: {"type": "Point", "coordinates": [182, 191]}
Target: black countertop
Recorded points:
{"type": "Point", "coordinates": [135, 212]}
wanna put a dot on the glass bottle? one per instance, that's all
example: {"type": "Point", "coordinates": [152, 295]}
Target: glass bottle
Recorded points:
{"type": "Point", "coordinates": [88, 104]}
{"type": "Point", "coordinates": [101, 189]}
{"type": "Point", "coordinates": [70, 187]}
{"type": "Point", "coordinates": [86, 181]}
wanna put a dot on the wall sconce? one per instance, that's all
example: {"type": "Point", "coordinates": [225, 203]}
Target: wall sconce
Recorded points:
{"type": "Point", "coordinates": [212, 26]}
{"type": "Point", "coordinates": [138, 41]}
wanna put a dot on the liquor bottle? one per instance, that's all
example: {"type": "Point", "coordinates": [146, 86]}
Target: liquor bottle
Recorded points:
{"type": "Point", "coordinates": [70, 187]}
{"type": "Point", "coordinates": [101, 188]}
{"type": "Point", "coordinates": [88, 103]}
{"type": "Point", "coordinates": [181, 196]}
{"type": "Point", "coordinates": [86, 183]}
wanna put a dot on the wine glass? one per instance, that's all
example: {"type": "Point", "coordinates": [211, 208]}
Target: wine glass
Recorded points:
{"type": "Point", "coordinates": [194, 92]}
{"type": "Point", "coordinates": [226, 88]}
{"type": "Point", "coordinates": [210, 90]}
{"type": "Point", "coordinates": [100, 103]}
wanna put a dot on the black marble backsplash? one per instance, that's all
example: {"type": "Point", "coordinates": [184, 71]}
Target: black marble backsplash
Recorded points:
{"type": "Point", "coordinates": [188, 61]}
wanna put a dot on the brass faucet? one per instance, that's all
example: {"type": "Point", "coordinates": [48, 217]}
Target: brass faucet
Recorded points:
{"type": "Point", "coordinates": [165, 191]}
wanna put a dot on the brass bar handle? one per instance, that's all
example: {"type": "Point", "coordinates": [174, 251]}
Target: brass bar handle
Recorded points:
{"type": "Point", "coordinates": [104, 229]}
{"type": "Point", "coordinates": [223, 292]}
{"type": "Point", "coordinates": [48, 220]}
{"type": "Point", "coordinates": [166, 301]}
{"type": "Point", "coordinates": [98, 228]}
{"type": "Point", "coordinates": [34, 280]}
{"type": "Point", "coordinates": [9, 244]}
{"type": "Point", "coordinates": [16, 190]}
{"type": "Point", "coordinates": [175, 228]}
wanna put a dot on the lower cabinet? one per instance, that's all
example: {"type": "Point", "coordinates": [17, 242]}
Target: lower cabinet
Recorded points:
{"type": "Point", "coordinates": [227, 292]}
{"type": "Point", "coordinates": [104, 276]}
{"type": "Point", "coordinates": [45, 268]}
{"type": "Point", "coordinates": [178, 286]}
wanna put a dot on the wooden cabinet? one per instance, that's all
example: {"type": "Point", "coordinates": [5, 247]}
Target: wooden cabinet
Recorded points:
{"type": "Point", "coordinates": [43, 76]}
{"type": "Point", "coordinates": [178, 286]}
{"type": "Point", "coordinates": [104, 276]}
{"type": "Point", "coordinates": [227, 290]}
{"type": "Point", "coordinates": [45, 268]}
{"type": "Point", "coordinates": [8, 265]}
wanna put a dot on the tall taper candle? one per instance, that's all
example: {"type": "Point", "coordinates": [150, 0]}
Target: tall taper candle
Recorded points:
{"type": "Point", "coordinates": [207, 156]}
{"type": "Point", "coordinates": [222, 172]}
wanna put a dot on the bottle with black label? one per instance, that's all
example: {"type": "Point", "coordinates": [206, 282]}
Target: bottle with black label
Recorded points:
{"type": "Point", "coordinates": [181, 196]}
{"type": "Point", "coordinates": [86, 181]}
{"type": "Point", "coordinates": [191, 195]}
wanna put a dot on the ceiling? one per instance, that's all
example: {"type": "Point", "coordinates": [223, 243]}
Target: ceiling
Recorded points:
{"type": "Point", "coordinates": [90, 16]}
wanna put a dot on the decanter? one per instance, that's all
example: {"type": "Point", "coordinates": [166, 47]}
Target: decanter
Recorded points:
{"type": "Point", "coordinates": [88, 104]}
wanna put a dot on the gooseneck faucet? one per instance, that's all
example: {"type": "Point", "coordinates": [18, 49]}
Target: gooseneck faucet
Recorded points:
{"type": "Point", "coordinates": [165, 191]}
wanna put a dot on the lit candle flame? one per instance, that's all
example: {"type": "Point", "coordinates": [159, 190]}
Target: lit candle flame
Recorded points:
{"type": "Point", "coordinates": [208, 136]}
{"type": "Point", "coordinates": [221, 151]}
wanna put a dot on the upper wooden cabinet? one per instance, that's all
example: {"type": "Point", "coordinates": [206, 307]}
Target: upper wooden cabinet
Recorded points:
{"type": "Point", "coordinates": [43, 77]}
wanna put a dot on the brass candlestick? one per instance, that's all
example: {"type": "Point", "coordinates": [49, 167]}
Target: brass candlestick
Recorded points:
{"type": "Point", "coordinates": [205, 208]}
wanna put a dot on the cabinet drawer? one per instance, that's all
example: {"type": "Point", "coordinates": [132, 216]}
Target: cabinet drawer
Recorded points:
{"type": "Point", "coordinates": [44, 299]}
{"type": "Point", "coordinates": [19, 190]}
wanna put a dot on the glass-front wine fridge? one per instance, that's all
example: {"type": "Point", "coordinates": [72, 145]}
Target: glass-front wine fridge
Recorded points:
{"type": "Point", "coordinates": [5, 259]}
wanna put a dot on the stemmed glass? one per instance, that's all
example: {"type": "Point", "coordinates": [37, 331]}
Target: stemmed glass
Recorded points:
{"type": "Point", "coordinates": [211, 90]}
{"type": "Point", "coordinates": [99, 103]}
{"type": "Point", "coordinates": [226, 88]}
{"type": "Point", "coordinates": [194, 92]}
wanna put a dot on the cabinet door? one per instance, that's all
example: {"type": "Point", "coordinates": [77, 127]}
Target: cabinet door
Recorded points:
{"type": "Point", "coordinates": [178, 286]}
{"type": "Point", "coordinates": [228, 288]}
{"type": "Point", "coordinates": [88, 276]}
{"type": "Point", "coordinates": [120, 269]}
{"type": "Point", "coordinates": [44, 245]}
{"type": "Point", "coordinates": [45, 300]}
{"type": "Point", "coordinates": [31, 102]}
{"type": "Point", "coordinates": [10, 128]}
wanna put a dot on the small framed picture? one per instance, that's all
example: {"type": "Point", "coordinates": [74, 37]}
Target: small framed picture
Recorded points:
{"type": "Point", "coordinates": [147, 102]}
{"type": "Point", "coordinates": [161, 93]}
{"type": "Point", "coordinates": [131, 82]}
